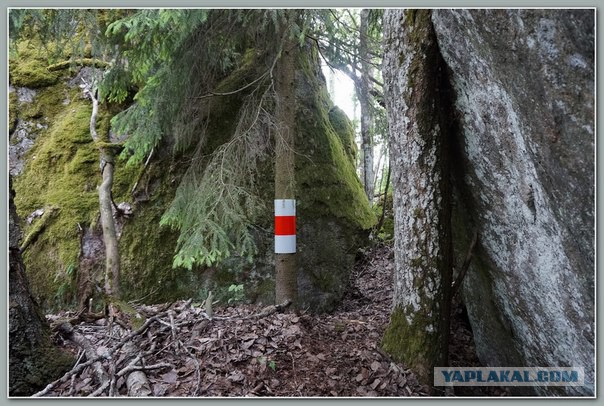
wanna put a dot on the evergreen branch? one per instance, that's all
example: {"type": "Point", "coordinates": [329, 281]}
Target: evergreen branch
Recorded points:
{"type": "Point", "coordinates": [215, 222]}
{"type": "Point", "coordinates": [212, 94]}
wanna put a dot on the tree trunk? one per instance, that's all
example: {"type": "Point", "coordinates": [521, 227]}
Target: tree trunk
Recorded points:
{"type": "Point", "coordinates": [33, 360]}
{"type": "Point", "coordinates": [107, 158]}
{"type": "Point", "coordinates": [286, 285]}
{"type": "Point", "coordinates": [366, 113]}
{"type": "Point", "coordinates": [385, 201]}
{"type": "Point", "coordinates": [416, 86]}
{"type": "Point", "coordinates": [112, 255]}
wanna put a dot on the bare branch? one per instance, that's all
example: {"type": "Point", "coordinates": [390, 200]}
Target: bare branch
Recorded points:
{"type": "Point", "coordinates": [466, 264]}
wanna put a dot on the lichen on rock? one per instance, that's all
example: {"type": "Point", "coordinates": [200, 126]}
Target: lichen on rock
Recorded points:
{"type": "Point", "coordinates": [524, 82]}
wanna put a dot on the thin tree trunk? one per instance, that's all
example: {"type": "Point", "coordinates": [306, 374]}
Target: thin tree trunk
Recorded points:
{"type": "Point", "coordinates": [383, 216]}
{"type": "Point", "coordinates": [366, 114]}
{"type": "Point", "coordinates": [112, 255]}
{"type": "Point", "coordinates": [33, 360]}
{"type": "Point", "coordinates": [415, 91]}
{"type": "Point", "coordinates": [286, 285]}
{"type": "Point", "coordinates": [107, 159]}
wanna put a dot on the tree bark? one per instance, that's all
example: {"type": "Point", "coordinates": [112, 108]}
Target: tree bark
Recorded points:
{"type": "Point", "coordinates": [112, 255]}
{"type": "Point", "coordinates": [385, 201]}
{"type": "Point", "coordinates": [366, 113]}
{"type": "Point", "coordinates": [107, 163]}
{"type": "Point", "coordinates": [33, 360]}
{"type": "Point", "coordinates": [416, 92]}
{"type": "Point", "coordinates": [286, 285]}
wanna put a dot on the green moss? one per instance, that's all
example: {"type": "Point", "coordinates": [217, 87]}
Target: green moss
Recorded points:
{"type": "Point", "coordinates": [411, 344]}
{"type": "Point", "coordinates": [111, 148]}
{"type": "Point", "coordinates": [28, 67]}
{"type": "Point", "coordinates": [343, 128]}
{"type": "Point", "coordinates": [326, 178]}
{"type": "Point", "coordinates": [386, 233]}
{"type": "Point", "coordinates": [12, 111]}
{"type": "Point", "coordinates": [48, 103]}
{"type": "Point", "coordinates": [327, 183]}
{"type": "Point", "coordinates": [76, 63]}
{"type": "Point", "coordinates": [146, 249]}
{"type": "Point", "coordinates": [61, 172]}
{"type": "Point", "coordinates": [124, 178]}
{"type": "Point", "coordinates": [38, 226]}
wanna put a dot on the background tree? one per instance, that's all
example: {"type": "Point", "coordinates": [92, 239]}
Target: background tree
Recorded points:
{"type": "Point", "coordinates": [415, 86]}
{"type": "Point", "coordinates": [351, 43]}
{"type": "Point", "coordinates": [33, 359]}
{"type": "Point", "coordinates": [366, 113]}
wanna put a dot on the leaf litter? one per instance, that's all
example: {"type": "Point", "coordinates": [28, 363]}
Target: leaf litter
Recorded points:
{"type": "Point", "coordinates": [279, 354]}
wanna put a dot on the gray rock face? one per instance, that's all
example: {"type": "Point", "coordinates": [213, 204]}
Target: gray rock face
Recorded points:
{"type": "Point", "coordinates": [524, 82]}
{"type": "Point", "coordinates": [21, 141]}
{"type": "Point", "coordinates": [24, 134]}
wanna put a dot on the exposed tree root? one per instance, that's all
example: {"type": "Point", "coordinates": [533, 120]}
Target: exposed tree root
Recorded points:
{"type": "Point", "coordinates": [120, 350]}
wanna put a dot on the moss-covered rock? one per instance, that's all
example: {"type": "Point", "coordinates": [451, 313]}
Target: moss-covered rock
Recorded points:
{"type": "Point", "coordinates": [12, 110]}
{"type": "Point", "coordinates": [332, 208]}
{"type": "Point", "coordinates": [28, 67]}
{"type": "Point", "coordinates": [146, 249]}
{"type": "Point", "coordinates": [526, 183]}
{"type": "Point", "coordinates": [62, 169]}
{"type": "Point", "coordinates": [343, 128]}
{"type": "Point", "coordinates": [61, 172]}
{"type": "Point", "coordinates": [33, 359]}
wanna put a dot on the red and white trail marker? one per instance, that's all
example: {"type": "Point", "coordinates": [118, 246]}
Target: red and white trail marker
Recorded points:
{"type": "Point", "coordinates": [285, 226]}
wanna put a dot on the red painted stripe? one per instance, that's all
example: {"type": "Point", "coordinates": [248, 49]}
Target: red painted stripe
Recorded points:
{"type": "Point", "coordinates": [285, 225]}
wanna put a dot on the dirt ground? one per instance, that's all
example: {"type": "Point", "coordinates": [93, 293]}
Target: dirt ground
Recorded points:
{"type": "Point", "coordinates": [248, 351]}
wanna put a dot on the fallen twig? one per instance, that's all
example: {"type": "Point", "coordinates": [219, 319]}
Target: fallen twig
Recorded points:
{"type": "Point", "coordinates": [132, 368]}
{"type": "Point", "coordinates": [100, 390]}
{"type": "Point", "coordinates": [68, 375]}
{"type": "Point", "coordinates": [106, 355]}
{"type": "Point", "coordinates": [68, 332]}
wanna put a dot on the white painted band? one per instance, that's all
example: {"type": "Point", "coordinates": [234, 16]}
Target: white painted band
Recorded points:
{"type": "Point", "coordinates": [285, 207]}
{"type": "Point", "coordinates": [285, 244]}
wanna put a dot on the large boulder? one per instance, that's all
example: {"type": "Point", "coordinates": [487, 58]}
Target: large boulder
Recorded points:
{"type": "Point", "coordinates": [524, 84]}
{"type": "Point", "coordinates": [57, 166]}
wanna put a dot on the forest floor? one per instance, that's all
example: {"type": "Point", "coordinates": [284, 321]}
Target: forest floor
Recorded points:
{"type": "Point", "coordinates": [247, 351]}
